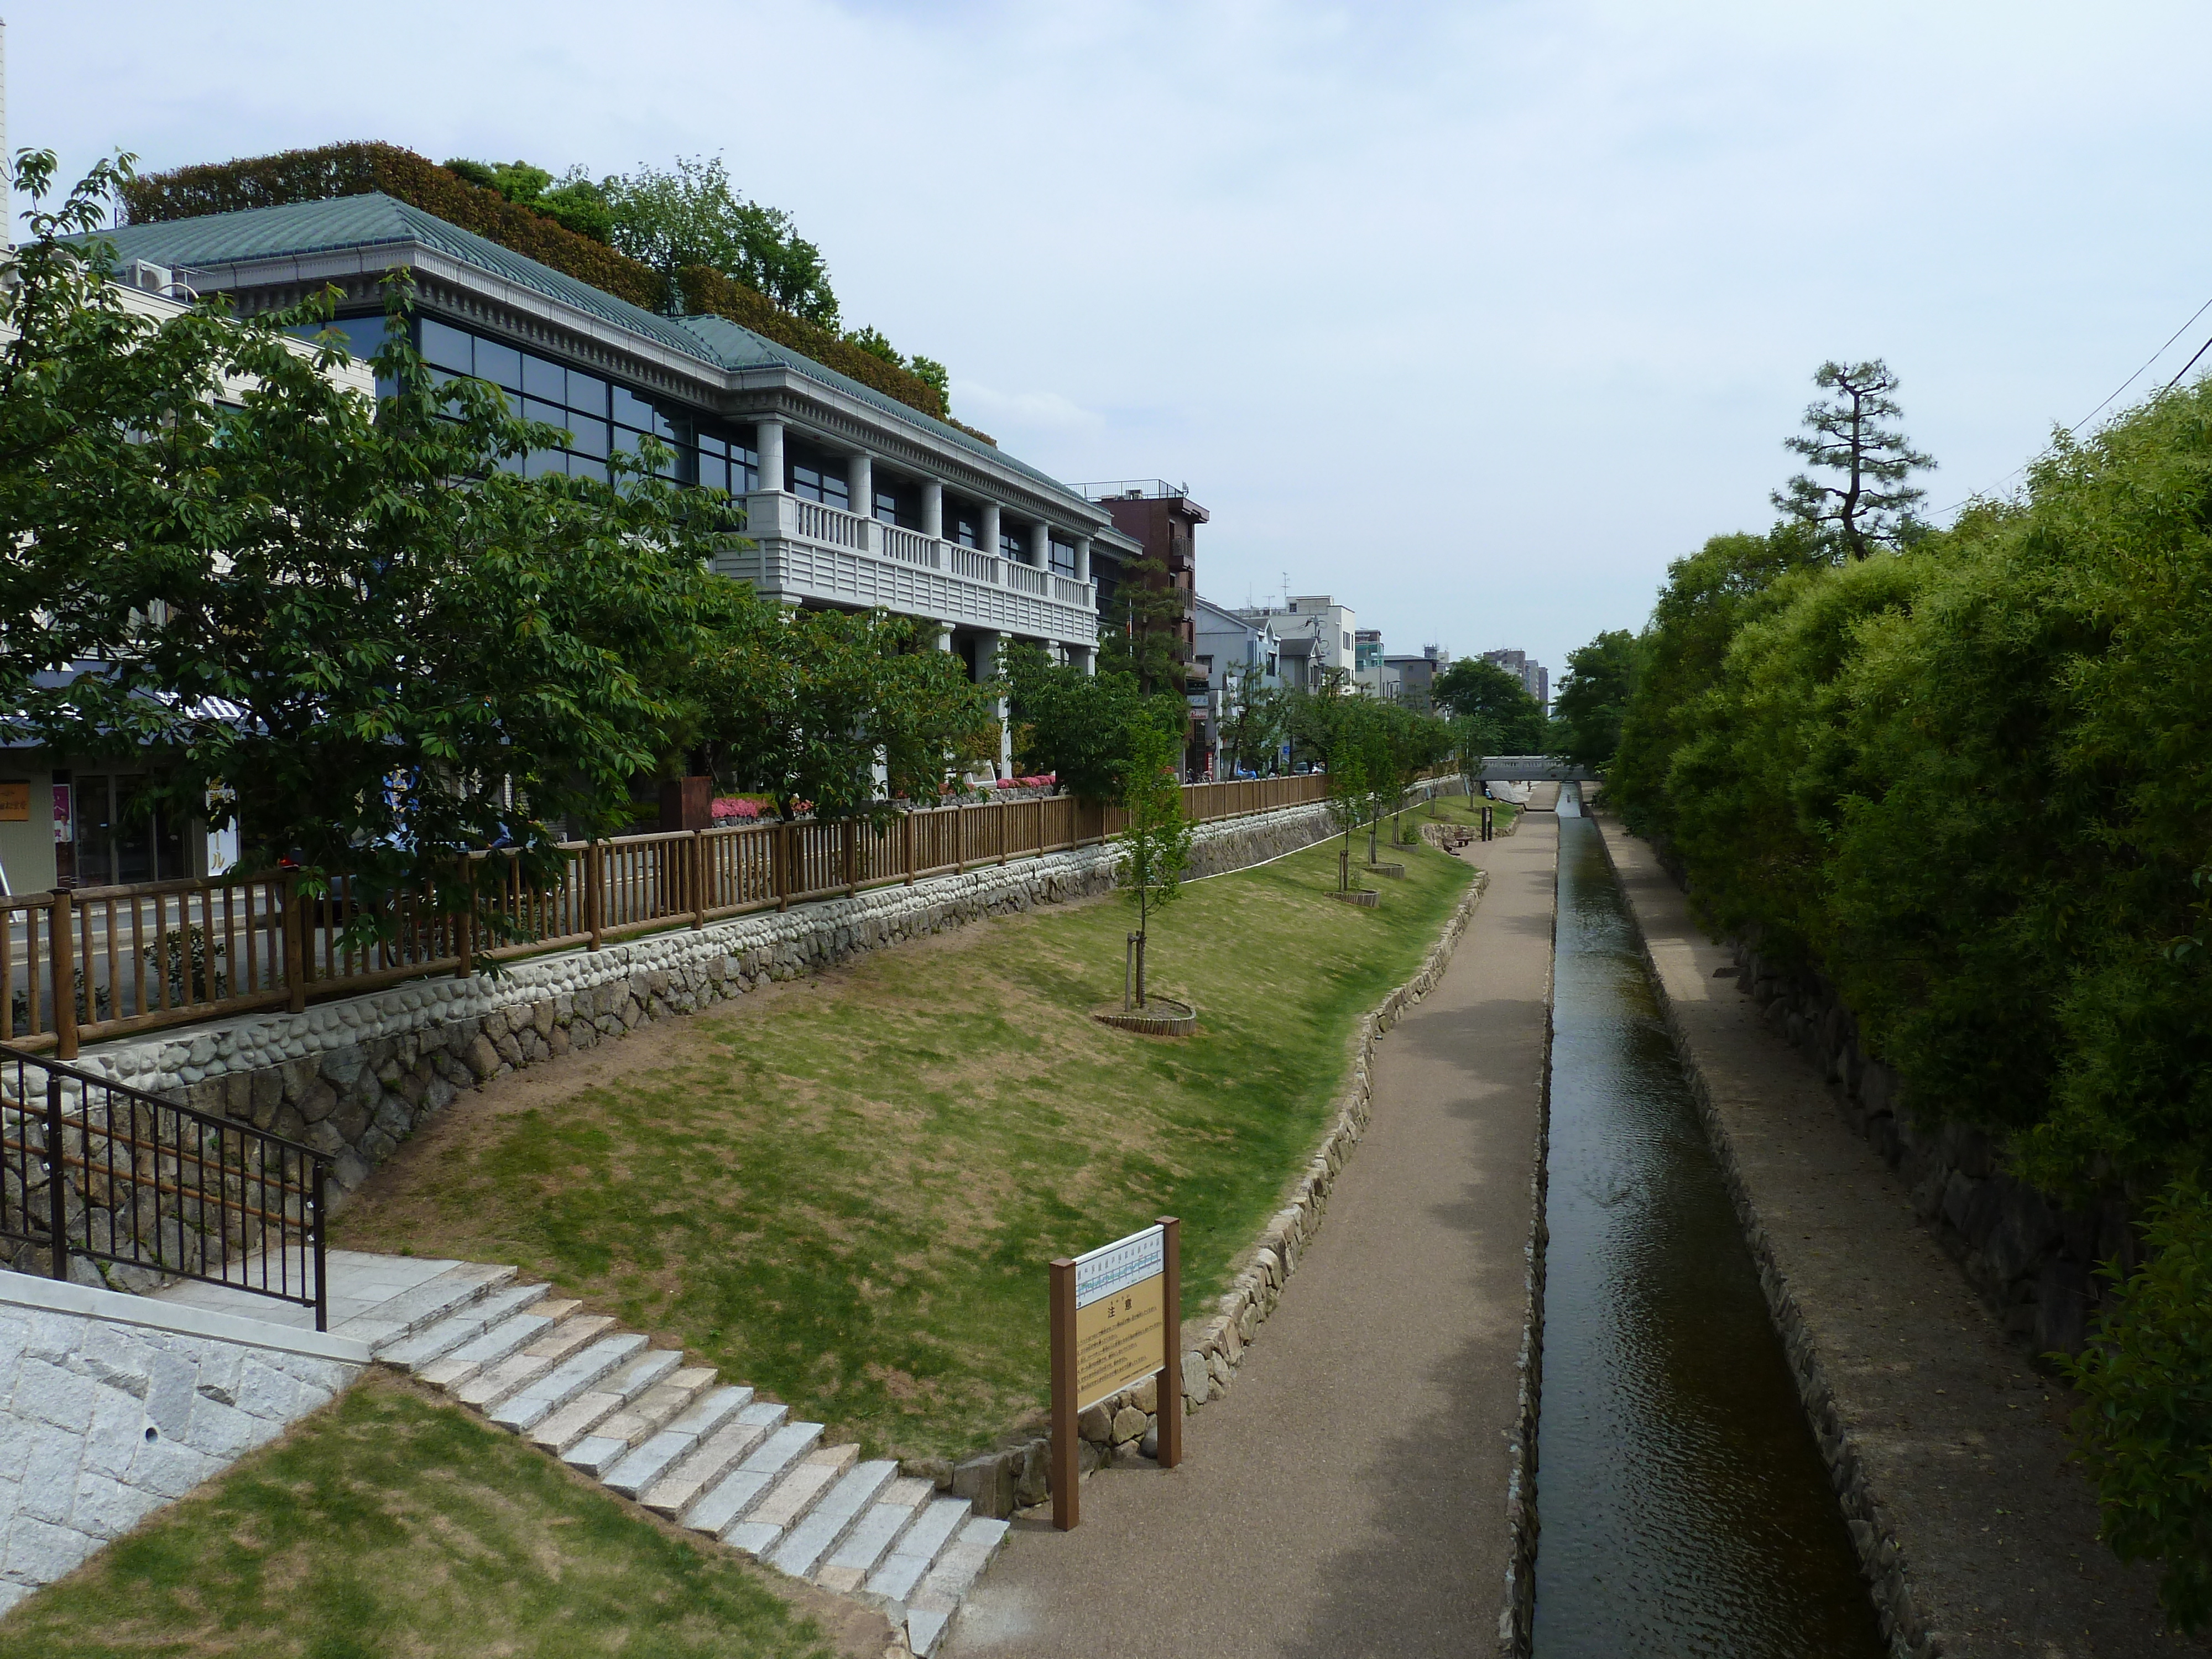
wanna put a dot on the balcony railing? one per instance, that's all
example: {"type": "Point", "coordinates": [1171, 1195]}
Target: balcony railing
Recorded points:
{"type": "Point", "coordinates": [100, 963]}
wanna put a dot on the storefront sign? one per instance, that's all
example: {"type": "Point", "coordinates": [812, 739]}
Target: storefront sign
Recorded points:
{"type": "Point", "coordinates": [1116, 1319]}
{"type": "Point", "coordinates": [15, 801]}
{"type": "Point", "coordinates": [64, 820]}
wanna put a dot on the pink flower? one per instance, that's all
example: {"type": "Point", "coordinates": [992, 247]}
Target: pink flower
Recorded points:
{"type": "Point", "coordinates": [729, 808]}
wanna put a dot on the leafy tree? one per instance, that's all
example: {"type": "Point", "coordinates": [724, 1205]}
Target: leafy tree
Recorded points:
{"type": "Point", "coordinates": [1140, 638]}
{"type": "Point", "coordinates": [933, 373]}
{"type": "Point", "coordinates": [1358, 770]}
{"type": "Point", "coordinates": [1254, 718]}
{"type": "Point", "coordinates": [572, 201]}
{"type": "Point", "coordinates": [1474, 687]}
{"type": "Point", "coordinates": [1594, 699]}
{"type": "Point", "coordinates": [805, 706]}
{"type": "Point", "coordinates": [691, 215]}
{"type": "Point", "coordinates": [341, 625]}
{"type": "Point", "coordinates": [1156, 843]}
{"type": "Point", "coordinates": [1872, 507]}
{"type": "Point", "coordinates": [1076, 726]}
{"type": "Point", "coordinates": [2145, 1423]}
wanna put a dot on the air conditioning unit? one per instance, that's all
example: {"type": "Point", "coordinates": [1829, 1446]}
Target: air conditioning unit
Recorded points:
{"type": "Point", "coordinates": [151, 278]}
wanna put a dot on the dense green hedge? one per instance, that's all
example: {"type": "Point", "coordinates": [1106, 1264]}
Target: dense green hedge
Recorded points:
{"type": "Point", "coordinates": [358, 169]}
{"type": "Point", "coordinates": [1973, 781]}
{"type": "Point", "coordinates": [1972, 784]}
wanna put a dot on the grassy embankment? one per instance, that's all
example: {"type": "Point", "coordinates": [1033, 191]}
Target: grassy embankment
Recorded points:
{"type": "Point", "coordinates": [389, 1524]}
{"type": "Point", "coordinates": [844, 1190]}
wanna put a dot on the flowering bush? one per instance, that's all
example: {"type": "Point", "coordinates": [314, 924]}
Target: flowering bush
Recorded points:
{"type": "Point", "coordinates": [734, 809]}
{"type": "Point", "coordinates": [1044, 782]}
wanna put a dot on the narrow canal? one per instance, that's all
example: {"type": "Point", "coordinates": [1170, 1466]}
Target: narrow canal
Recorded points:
{"type": "Point", "coordinates": [1684, 1506]}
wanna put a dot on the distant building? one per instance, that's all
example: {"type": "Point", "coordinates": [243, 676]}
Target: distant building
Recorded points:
{"type": "Point", "coordinates": [1318, 618]}
{"type": "Point", "coordinates": [1229, 648]}
{"type": "Point", "coordinates": [1417, 675]}
{"type": "Point", "coordinates": [1533, 676]}
{"type": "Point", "coordinates": [1163, 520]}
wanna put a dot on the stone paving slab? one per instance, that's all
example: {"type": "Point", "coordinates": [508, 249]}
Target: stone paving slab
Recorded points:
{"type": "Point", "coordinates": [1957, 1446]}
{"type": "Point", "coordinates": [503, 1342]}
{"type": "Point", "coordinates": [655, 1456]}
{"type": "Point", "coordinates": [471, 1321]}
{"type": "Point", "coordinates": [790, 1499]}
{"type": "Point", "coordinates": [802, 1548]}
{"type": "Point", "coordinates": [741, 1489]}
{"type": "Point", "coordinates": [718, 1454]}
{"type": "Point", "coordinates": [541, 1394]}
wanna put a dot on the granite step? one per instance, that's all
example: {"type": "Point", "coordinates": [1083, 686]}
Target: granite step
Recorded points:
{"type": "Point", "coordinates": [470, 1321]}
{"type": "Point", "coordinates": [612, 1441]}
{"type": "Point", "coordinates": [717, 1455]}
{"type": "Point", "coordinates": [509, 1336]}
{"type": "Point", "coordinates": [558, 1431]}
{"type": "Point", "coordinates": [659, 1452]}
{"type": "Point", "coordinates": [739, 1490]}
{"type": "Point", "coordinates": [915, 1552]}
{"type": "Point", "coordinates": [789, 1502]}
{"type": "Point", "coordinates": [864, 1548]}
{"type": "Point", "coordinates": [494, 1382]}
{"type": "Point", "coordinates": [806, 1543]}
{"type": "Point", "coordinates": [541, 1394]}
{"type": "Point", "coordinates": [412, 1311]}
{"type": "Point", "coordinates": [957, 1569]}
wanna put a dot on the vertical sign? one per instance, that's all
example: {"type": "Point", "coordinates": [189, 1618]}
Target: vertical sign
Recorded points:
{"type": "Point", "coordinates": [1116, 1319]}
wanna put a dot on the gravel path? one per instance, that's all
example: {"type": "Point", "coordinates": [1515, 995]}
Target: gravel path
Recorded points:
{"type": "Point", "coordinates": [1348, 1497]}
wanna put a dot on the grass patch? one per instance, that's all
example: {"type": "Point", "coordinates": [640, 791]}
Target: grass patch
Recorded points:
{"type": "Point", "coordinates": [387, 1524]}
{"type": "Point", "coordinates": [843, 1190]}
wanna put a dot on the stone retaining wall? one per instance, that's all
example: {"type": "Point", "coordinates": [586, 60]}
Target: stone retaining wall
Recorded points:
{"type": "Point", "coordinates": [2033, 1262]}
{"type": "Point", "coordinates": [116, 1405]}
{"type": "Point", "coordinates": [355, 1077]}
{"type": "Point", "coordinates": [1124, 1431]}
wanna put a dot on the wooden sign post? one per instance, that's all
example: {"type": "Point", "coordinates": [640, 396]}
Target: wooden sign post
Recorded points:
{"type": "Point", "coordinates": [1116, 1319]}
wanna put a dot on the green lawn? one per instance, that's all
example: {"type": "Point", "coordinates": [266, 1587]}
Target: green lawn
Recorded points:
{"type": "Point", "coordinates": [386, 1524]}
{"type": "Point", "coordinates": [844, 1191]}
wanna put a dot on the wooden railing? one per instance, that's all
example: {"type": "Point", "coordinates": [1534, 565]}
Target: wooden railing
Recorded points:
{"type": "Point", "coordinates": [105, 961]}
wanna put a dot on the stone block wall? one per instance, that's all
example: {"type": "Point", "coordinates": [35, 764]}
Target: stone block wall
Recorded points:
{"type": "Point", "coordinates": [353, 1078]}
{"type": "Point", "coordinates": [2032, 1261]}
{"type": "Point", "coordinates": [116, 1405]}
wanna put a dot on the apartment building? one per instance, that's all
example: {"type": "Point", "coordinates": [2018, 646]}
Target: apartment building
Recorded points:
{"type": "Point", "coordinates": [1533, 676]}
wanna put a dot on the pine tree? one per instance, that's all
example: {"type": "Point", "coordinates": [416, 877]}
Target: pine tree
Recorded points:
{"type": "Point", "coordinates": [1872, 506]}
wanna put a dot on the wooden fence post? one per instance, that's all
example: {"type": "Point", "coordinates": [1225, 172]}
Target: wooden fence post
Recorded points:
{"type": "Point", "coordinates": [852, 856]}
{"type": "Point", "coordinates": [960, 838]}
{"type": "Point", "coordinates": [1167, 1400]}
{"type": "Point", "coordinates": [907, 820]}
{"type": "Point", "coordinates": [594, 880]}
{"type": "Point", "coordinates": [295, 946]}
{"type": "Point", "coordinates": [1066, 1510]}
{"type": "Point", "coordinates": [698, 879]}
{"type": "Point", "coordinates": [783, 864]}
{"type": "Point", "coordinates": [464, 925]}
{"type": "Point", "coordinates": [61, 960]}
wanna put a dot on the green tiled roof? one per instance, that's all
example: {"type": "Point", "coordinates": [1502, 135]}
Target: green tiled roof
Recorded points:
{"type": "Point", "coordinates": [344, 222]}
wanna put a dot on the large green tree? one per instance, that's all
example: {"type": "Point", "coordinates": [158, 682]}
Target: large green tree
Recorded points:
{"type": "Point", "coordinates": [1074, 726]}
{"type": "Point", "coordinates": [1593, 699]}
{"type": "Point", "coordinates": [1472, 687]}
{"type": "Point", "coordinates": [339, 624]}
{"type": "Point", "coordinates": [692, 215]}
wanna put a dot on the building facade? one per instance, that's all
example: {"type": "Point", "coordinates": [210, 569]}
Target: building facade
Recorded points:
{"type": "Point", "coordinates": [1230, 648]}
{"type": "Point", "coordinates": [853, 499]}
{"type": "Point", "coordinates": [1533, 676]}
{"type": "Point", "coordinates": [1417, 675]}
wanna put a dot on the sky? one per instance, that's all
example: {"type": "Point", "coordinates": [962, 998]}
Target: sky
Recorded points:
{"type": "Point", "coordinates": [1471, 316]}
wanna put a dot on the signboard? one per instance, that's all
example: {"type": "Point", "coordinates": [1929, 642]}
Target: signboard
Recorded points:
{"type": "Point", "coordinates": [15, 801]}
{"type": "Point", "coordinates": [65, 827]}
{"type": "Point", "coordinates": [1116, 1321]}
{"type": "Point", "coordinates": [1119, 1316]}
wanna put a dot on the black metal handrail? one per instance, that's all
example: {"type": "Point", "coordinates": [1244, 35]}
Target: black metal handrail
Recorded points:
{"type": "Point", "coordinates": [96, 1169]}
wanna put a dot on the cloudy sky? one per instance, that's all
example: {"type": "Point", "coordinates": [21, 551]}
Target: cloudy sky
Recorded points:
{"type": "Point", "coordinates": [1472, 315]}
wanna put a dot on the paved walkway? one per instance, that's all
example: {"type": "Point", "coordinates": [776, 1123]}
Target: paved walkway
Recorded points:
{"type": "Point", "coordinates": [1348, 1497]}
{"type": "Point", "coordinates": [1961, 1444]}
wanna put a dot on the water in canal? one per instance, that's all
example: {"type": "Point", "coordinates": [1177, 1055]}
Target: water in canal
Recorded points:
{"type": "Point", "coordinates": [1684, 1506]}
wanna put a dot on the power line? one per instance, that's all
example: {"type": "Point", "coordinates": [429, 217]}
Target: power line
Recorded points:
{"type": "Point", "coordinates": [2115, 392]}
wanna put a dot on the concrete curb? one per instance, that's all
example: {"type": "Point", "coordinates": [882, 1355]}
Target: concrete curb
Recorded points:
{"type": "Point", "coordinates": [1881, 1557]}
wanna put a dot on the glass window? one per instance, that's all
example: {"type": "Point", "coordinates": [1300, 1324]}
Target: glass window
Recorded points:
{"type": "Point", "coordinates": [819, 476]}
{"type": "Point", "coordinates": [632, 411]}
{"type": "Point", "coordinates": [543, 461]}
{"type": "Point", "coordinates": [584, 466]}
{"type": "Point", "coordinates": [962, 525]}
{"type": "Point", "coordinates": [1063, 556]}
{"type": "Point", "coordinates": [1013, 547]}
{"type": "Point", "coordinates": [553, 414]}
{"type": "Point", "coordinates": [587, 437]}
{"type": "Point", "coordinates": [543, 379]}
{"type": "Point", "coordinates": [713, 470]}
{"type": "Point", "coordinates": [500, 365]}
{"type": "Point", "coordinates": [446, 347]}
{"type": "Point", "coordinates": [587, 393]}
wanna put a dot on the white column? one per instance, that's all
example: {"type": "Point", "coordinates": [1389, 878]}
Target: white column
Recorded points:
{"type": "Point", "coordinates": [1083, 558]}
{"type": "Point", "coordinates": [860, 477]}
{"type": "Point", "coordinates": [944, 634]}
{"type": "Point", "coordinates": [987, 664]}
{"type": "Point", "coordinates": [932, 510]}
{"type": "Point", "coordinates": [990, 533]}
{"type": "Point", "coordinates": [1040, 545]}
{"type": "Point", "coordinates": [768, 439]}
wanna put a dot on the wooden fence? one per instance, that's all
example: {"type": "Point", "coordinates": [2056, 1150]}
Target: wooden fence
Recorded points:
{"type": "Point", "coordinates": [97, 963]}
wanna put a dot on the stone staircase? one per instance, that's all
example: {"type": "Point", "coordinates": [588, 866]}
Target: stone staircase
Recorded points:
{"type": "Point", "coordinates": [676, 1439]}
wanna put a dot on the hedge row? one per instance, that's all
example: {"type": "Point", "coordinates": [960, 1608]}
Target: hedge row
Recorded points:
{"type": "Point", "coordinates": [710, 291]}
{"type": "Point", "coordinates": [358, 169]}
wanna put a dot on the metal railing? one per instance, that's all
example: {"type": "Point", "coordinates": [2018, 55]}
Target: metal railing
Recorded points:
{"type": "Point", "coordinates": [94, 1168]}
{"type": "Point", "coordinates": [100, 963]}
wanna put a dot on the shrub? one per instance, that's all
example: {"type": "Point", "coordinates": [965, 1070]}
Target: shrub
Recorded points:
{"type": "Point", "coordinates": [2145, 1424]}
